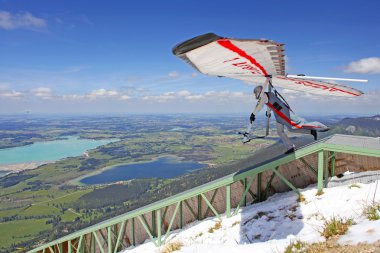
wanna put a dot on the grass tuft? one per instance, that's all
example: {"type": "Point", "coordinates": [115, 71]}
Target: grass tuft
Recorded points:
{"type": "Point", "coordinates": [217, 226]}
{"type": "Point", "coordinates": [319, 193]}
{"type": "Point", "coordinates": [372, 212]}
{"type": "Point", "coordinates": [301, 198]}
{"type": "Point", "coordinates": [171, 247]}
{"type": "Point", "coordinates": [336, 226]}
{"type": "Point", "coordinates": [296, 247]}
{"type": "Point", "coordinates": [235, 223]}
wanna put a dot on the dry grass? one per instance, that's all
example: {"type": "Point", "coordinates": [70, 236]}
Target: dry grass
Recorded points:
{"type": "Point", "coordinates": [296, 247]}
{"type": "Point", "coordinates": [335, 226]}
{"type": "Point", "coordinates": [235, 223]}
{"type": "Point", "coordinates": [217, 226]}
{"type": "Point", "coordinates": [319, 193]}
{"type": "Point", "coordinates": [372, 211]}
{"type": "Point", "coordinates": [172, 246]}
{"type": "Point", "coordinates": [301, 198]}
{"type": "Point", "coordinates": [330, 246]}
{"type": "Point", "coordinates": [199, 235]}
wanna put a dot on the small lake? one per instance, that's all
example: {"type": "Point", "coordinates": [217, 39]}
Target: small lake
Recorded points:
{"type": "Point", "coordinates": [49, 150]}
{"type": "Point", "coordinates": [162, 167]}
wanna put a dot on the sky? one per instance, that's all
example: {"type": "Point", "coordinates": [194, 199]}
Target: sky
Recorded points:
{"type": "Point", "coordinates": [114, 57]}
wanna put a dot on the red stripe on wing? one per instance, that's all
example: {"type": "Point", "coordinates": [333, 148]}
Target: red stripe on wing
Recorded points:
{"type": "Point", "coordinates": [228, 44]}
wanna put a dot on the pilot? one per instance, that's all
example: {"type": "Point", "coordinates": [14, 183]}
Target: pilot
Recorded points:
{"type": "Point", "coordinates": [282, 114]}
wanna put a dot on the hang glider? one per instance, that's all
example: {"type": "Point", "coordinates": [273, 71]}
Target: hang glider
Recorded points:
{"type": "Point", "coordinates": [253, 61]}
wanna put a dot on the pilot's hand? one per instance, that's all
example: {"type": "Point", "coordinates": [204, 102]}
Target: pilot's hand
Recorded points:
{"type": "Point", "coordinates": [252, 118]}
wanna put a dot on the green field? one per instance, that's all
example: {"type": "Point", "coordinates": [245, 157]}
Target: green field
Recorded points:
{"type": "Point", "coordinates": [19, 231]}
{"type": "Point", "coordinates": [44, 199]}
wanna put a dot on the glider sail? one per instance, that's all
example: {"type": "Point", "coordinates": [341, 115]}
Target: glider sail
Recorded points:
{"type": "Point", "coordinates": [251, 61]}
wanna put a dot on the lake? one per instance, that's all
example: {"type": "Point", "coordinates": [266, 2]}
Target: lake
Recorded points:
{"type": "Point", "coordinates": [49, 150]}
{"type": "Point", "coordinates": [162, 167]}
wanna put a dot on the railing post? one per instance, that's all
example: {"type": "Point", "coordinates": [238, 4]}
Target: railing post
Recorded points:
{"type": "Point", "coordinates": [154, 223]}
{"type": "Point", "coordinates": [159, 226]}
{"type": "Point", "coordinates": [199, 207]}
{"type": "Point", "coordinates": [228, 200]}
{"type": "Point", "coordinates": [69, 248]}
{"type": "Point", "coordinates": [133, 232]}
{"type": "Point", "coordinates": [93, 246]}
{"type": "Point", "coordinates": [80, 246]}
{"type": "Point", "coordinates": [109, 239]}
{"type": "Point", "coordinates": [180, 215]}
{"type": "Point", "coordinates": [320, 171]}
{"type": "Point", "coordinates": [259, 187]}
{"type": "Point", "coordinates": [333, 164]}
{"type": "Point", "coordinates": [245, 196]}
{"type": "Point", "coordinates": [326, 168]}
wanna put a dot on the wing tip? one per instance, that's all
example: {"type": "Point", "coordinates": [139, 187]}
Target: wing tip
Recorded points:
{"type": "Point", "coordinates": [195, 42]}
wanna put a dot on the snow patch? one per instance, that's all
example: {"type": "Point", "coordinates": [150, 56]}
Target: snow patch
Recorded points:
{"type": "Point", "coordinates": [272, 225]}
{"type": "Point", "coordinates": [364, 232]}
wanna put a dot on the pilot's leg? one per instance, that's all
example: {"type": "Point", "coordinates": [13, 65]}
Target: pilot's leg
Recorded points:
{"type": "Point", "coordinates": [285, 139]}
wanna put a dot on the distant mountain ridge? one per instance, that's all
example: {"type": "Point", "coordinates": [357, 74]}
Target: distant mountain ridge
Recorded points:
{"type": "Point", "coordinates": [369, 126]}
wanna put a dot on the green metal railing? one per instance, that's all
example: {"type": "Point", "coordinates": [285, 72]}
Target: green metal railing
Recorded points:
{"type": "Point", "coordinates": [119, 232]}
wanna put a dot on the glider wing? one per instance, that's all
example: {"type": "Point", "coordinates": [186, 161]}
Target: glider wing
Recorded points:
{"type": "Point", "coordinates": [251, 61]}
{"type": "Point", "coordinates": [316, 87]}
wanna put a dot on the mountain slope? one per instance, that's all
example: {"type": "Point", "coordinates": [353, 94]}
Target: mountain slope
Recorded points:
{"type": "Point", "coordinates": [369, 126]}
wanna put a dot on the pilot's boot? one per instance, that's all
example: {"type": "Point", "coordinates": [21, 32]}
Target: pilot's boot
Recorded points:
{"type": "Point", "coordinates": [314, 133]}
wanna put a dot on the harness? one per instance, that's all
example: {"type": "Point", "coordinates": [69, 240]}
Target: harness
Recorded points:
{"type": "Point", "coordinates": [281, 109]}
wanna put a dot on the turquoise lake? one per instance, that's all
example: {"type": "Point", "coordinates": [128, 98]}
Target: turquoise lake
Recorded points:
{"type": "Point", "coordinates": [49, 150]}
{"type": "Point", "coordinates": [162, 167]}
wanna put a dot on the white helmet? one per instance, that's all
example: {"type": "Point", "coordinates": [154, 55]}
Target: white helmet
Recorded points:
{"type": "Point", "coordinates": [257, 91]}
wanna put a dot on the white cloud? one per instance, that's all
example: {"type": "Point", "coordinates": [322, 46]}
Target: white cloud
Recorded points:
{"type": "Point", "coordinates": [184, 93]}
{"type": "Point", "coordinates": [209, 95]}
{"type": "Point", "coordinates": [10, 94]}
{"type": "Point", "coordinates": [194, 97]}
{"type": "Point", "coordinates": [174, 74]}
{"type": "Point", "coordinates": [47, 93]}
{"type": "Point", "coordinates": [364, 66]}
{"type": "Point", "coordinates": [223, 95]}
{"type": "Point", "coordinates": [162, 98]}
{"type": "Point", "coordinates": [24, 20]}
{"type": "Point", "coordinates": [102, 93]}
{"type": "Point", "coordinates": [72, 97]}
{"type": "Point", "coordinates": [125, 97]}
{"type": "Point", "coordinates": [43, 92]}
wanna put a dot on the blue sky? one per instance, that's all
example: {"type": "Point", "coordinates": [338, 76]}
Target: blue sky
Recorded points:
{"type": "Point", "coordinates": [115, 56]}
